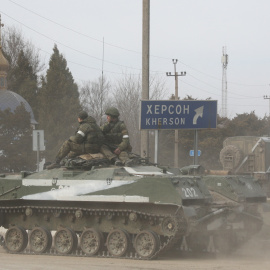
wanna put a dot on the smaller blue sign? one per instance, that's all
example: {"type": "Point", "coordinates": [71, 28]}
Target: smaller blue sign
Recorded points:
{"type": "Point", "coordinates": [191, 153]}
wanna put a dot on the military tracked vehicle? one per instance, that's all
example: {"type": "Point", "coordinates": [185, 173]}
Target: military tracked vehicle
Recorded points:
{"type": "Point", "coordinates": [96, 209]}
{"type": "Point", "coordinates": [236, 200]}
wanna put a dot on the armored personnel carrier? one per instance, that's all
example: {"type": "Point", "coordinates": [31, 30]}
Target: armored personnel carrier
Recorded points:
{"type": "Point", "coordinates": [95, 209]}
{"type": "Point", "coordinates": [236, 200]}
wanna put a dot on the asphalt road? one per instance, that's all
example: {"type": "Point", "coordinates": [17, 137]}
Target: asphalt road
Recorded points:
{"type": "Point", "coordinates": [39, 262]}
{"type": "Point", "coordinates": [254, 255]}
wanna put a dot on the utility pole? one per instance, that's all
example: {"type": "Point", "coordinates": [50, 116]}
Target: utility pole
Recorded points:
{"type": "Point", "coordinates": [267, 97]}
{"type": "Point", "coordinates": [145, 70]}
{"type": "Point", "coordinates": [176, 139]}
{"type": "Point", "coordinates": [224, 61]}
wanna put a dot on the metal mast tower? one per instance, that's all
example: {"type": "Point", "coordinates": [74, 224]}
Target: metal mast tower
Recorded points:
{"type": "Point", "coordinates": [224, 61]}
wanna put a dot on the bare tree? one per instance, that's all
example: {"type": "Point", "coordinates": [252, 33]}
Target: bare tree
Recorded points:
{"type": "Point", "coordinates": [14, 42]}
{"type": "Point", "coordinates": [95, 97]}
{"type": "Point", "coordinates": [157, 87]}
{"type": "Point", "coordinates": [127, 97]}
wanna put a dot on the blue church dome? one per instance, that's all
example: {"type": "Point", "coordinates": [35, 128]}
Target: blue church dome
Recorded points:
{"type": "Point", "coordinates": [11, 100]}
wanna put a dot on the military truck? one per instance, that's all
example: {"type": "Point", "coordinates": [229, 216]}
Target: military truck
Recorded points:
{"type": "Point", "coordinates": [248, 155]}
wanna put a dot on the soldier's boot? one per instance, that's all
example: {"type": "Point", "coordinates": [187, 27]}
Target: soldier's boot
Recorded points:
{"type": "Point", "coordinates": [117, 161]}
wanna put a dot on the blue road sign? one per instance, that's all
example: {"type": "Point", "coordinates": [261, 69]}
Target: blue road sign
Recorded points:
{"type": "Point", "coordinates": [191, 153]}
{"type": "Point", "coordinates": [178, 114]}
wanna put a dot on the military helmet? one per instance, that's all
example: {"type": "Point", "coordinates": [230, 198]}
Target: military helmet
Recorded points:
{"type": "Point", "coordinates": [82, 115]}
{"type": "Point", "coordinates": [112, 111]}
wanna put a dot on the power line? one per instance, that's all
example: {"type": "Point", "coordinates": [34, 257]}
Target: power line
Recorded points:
{"type": "Point", "coordinates": [217, 94]}
{"type": "Point", "coordinates": [122, 48]}
{"type": "Point", "coordinates": [57, 42]}
{"type": "Point", "coordinates": [85, 66]}
{"type": "Point", "coordinates": [218, 79]}
{"type": "Point", "coordinates": [75, 31]}
{"type": "Point", "coordinates": [218, 88]}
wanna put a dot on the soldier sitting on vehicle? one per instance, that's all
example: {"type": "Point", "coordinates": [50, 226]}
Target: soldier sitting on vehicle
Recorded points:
{"type": "Point", "coordinates": [116, 146]}
{"type": "Point", "coordinates": [88, 139]}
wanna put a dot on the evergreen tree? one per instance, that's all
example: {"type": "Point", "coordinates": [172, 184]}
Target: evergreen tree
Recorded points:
{"type": "Point", "coordinates": [59, 104]}
{"type": "Point", "coordinates": [247, 124]}
{"type": "Point", "coordinates": [16, 152]}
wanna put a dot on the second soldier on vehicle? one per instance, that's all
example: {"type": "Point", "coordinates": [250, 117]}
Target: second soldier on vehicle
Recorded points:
{"type": "Point", "coordinates": [88, 139]}
{"type": "Point", "coordinates": [116, 146]}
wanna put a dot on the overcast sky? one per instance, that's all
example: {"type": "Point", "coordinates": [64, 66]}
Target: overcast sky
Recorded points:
{"type": "Point", "coordinates": [192, 31]}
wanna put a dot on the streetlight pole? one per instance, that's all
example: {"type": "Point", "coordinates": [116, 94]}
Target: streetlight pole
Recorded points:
{"type": "Point", "coordinates": [176, 137]}
{"type": "Point", "coordinates": [267, 97]}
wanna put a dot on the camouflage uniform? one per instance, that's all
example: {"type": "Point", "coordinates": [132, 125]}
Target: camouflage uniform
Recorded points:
{"type": "Point", "coordinates": [88, 139]}
{"type": "Point", "coordinates": [116, 136]}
